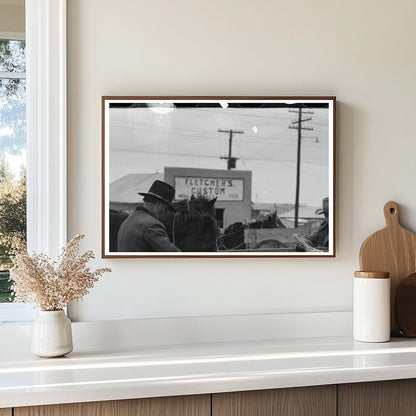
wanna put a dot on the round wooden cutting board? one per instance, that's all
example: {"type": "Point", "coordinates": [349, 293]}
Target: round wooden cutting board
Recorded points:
{"type": "Point", "coordinates": [405, 306]}
{"type": "Point", "coordinates": [392, 250]}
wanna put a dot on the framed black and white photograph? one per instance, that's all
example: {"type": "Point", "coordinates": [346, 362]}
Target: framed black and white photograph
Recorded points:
{"type": "Point", "coordinates": [218, 176]}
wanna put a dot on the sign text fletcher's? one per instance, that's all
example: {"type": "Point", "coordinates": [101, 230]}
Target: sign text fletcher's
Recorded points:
{"type": "Point", "coordinates": [224, 189]}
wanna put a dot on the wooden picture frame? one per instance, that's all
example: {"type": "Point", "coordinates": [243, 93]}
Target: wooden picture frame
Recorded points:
{"type": "Point", "coordinates": [269, 163]}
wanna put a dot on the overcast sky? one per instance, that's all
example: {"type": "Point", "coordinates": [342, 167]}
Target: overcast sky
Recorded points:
{"type": "Point", "coordinates": [142, 141]}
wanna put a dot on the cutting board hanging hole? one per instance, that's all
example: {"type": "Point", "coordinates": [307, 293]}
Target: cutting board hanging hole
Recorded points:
{"type": "Point", "coordinates": [391, 213]}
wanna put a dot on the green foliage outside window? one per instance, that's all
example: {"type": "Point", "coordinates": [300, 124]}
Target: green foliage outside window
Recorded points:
{"type": "Point", "coordinates": [12, 148]}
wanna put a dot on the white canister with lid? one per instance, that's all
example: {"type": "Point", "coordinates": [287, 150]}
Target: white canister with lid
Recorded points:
{"type": "Point", "coordinates": [371, 308]}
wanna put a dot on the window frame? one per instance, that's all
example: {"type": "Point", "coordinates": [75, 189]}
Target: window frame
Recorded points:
{"type": "Point", "coordinates": [12, 35]}
{"type": "Point", "coordinates": [46, 121]}
{"type": "Point", "coordinates": [46, 125]}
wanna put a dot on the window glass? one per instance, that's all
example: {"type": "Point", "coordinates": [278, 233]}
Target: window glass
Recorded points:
{"type": "Point", "coordinates": [12, 55]}
{"type": "Point", "coordinates": [12, 156]}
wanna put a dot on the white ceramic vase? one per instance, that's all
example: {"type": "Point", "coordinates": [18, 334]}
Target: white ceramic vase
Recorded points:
{"type": "Point", "coordinates": [52, 334]}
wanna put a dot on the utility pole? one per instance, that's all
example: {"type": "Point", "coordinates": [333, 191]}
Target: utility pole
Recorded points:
{"type": "Point", "coordinates": [297, 125]}
{"type": "Point", "coordinates": [231, 161]}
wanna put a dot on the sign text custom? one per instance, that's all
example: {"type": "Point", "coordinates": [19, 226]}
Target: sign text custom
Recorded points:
{"type": "Point", "coordinates": [224, 189]}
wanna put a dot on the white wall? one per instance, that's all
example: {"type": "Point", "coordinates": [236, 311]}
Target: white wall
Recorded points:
{"type": "Point", "coordinates": [12, 17]}
{"type": "Point", "coordinates": [360, 51]}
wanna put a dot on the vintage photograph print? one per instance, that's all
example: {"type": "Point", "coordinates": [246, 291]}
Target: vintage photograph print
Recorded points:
{"type": "Point", "coordinates": [218, 176]}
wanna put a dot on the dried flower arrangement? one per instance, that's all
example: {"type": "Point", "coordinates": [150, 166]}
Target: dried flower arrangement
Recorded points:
{"type": "Point", "coordinates": [52, 285]}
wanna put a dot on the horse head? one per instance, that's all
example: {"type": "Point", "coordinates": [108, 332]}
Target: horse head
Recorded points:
{"type": "Point", "coordinates": [194, 225]}
{"type": "Point", "coordinates": [202, 205]}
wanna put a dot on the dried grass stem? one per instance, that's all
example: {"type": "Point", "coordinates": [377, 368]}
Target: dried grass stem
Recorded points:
{"type": "Point", "coordinates": [53, 285]}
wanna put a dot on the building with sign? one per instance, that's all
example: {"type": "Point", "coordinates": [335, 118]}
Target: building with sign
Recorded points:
{"type": "Point", "coordinates": [232, 188]}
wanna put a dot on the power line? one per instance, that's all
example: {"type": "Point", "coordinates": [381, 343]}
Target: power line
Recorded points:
{"type": "Point", "coordinates": [260, 159]}
{"type": "Point", "coordinates": [195, 134]}
{"type": "Point", "coordinates": [204, 134]}
{"type": "Point", "coordinates": [242, 114]}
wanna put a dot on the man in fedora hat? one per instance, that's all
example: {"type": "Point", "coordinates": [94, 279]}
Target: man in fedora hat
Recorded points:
{"type": "Point", "coordinates": [318, 241]}
{"type": "Point", "coordinates": [143, 230]}
{"type": "Point", "coordinates": [320, 237]}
